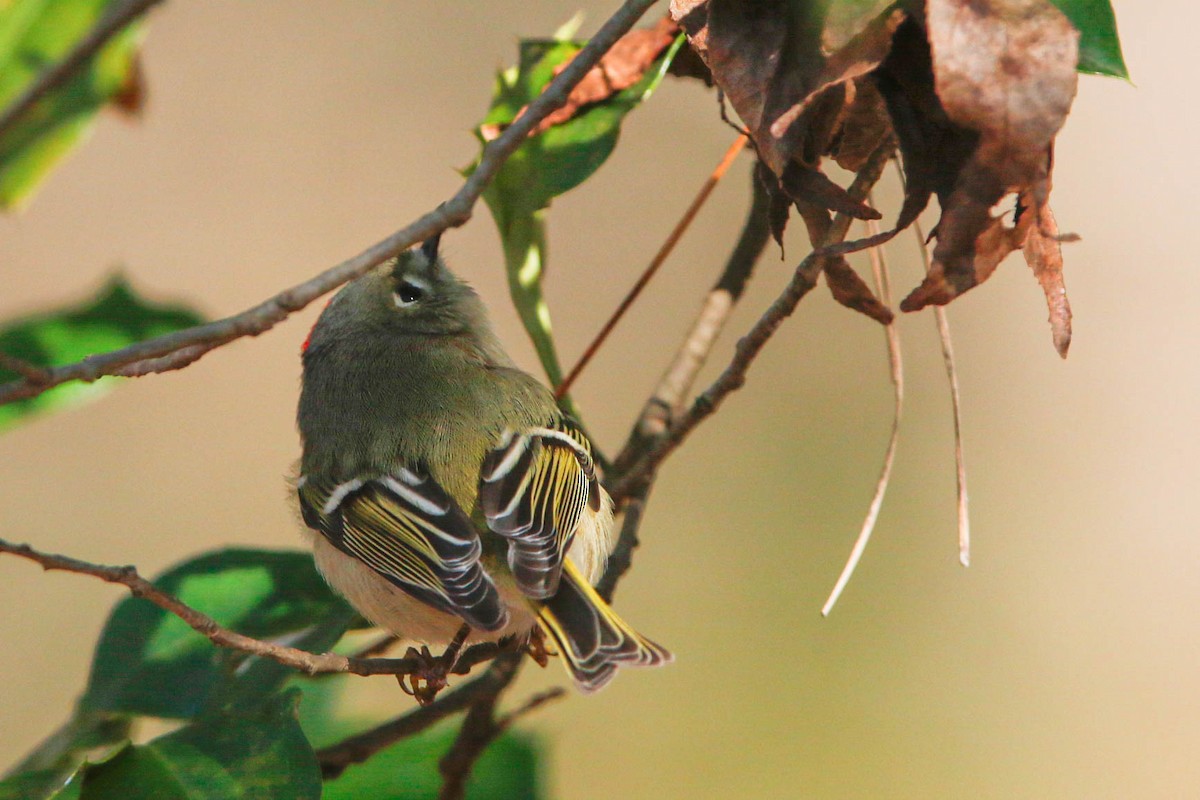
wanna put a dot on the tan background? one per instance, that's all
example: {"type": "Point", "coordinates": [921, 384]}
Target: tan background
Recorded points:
{"type": "Point", "coordinates": [282, 137]}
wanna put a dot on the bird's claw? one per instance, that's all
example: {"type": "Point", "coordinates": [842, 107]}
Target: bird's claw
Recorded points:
{"type": "Point", "coordinates": [429, 676]}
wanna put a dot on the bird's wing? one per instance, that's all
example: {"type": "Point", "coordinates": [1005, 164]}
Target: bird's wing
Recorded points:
{"type": "Point", "coordinates": [533, 489]}
{"type": "Point", "coordinates": [406, 528]}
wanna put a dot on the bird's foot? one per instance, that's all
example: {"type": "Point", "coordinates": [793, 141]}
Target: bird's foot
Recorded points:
{"type": "Point", "coordinates": [536, 647]}
{"type": "Point", "coordinates": [429, 675]}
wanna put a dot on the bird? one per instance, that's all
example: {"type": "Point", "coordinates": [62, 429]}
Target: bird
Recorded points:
{"type": "Point", "coordinates": [443, 487]}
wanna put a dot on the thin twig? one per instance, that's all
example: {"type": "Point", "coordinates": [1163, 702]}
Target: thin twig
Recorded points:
{"type": "Point", "coordinates": [32, 373]}
{"type": "Point", "coordinates": [960, 465]}
{"type": "Point", "coordinates": [748, 348]}
{"type": "Point", "coordinates": [335, 758]}
{"type": "Point", "coordinates": [534, 702]}
{"type": "Point", "coordinates": [479, 729]}
{"type": "Point", "coordinates": [621, 558]}
{"type": "Point", "coordinates": [667, 399]}
{"type": "Point", "coordinates": [56, 75]}
{"type": "Point", "coordinates": [676, 383]}
{"type": "Point", "coordinates": [672, 239]}
{"type": "Point", "coordinates": [309, 663]}
{"type": "Point", "coordinates": [183, 347]}
{"type": "Point", "coordinates": [879, 270]}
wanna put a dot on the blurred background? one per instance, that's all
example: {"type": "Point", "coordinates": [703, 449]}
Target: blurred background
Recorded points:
{"type": "Point", "coordinates": [282, 137]}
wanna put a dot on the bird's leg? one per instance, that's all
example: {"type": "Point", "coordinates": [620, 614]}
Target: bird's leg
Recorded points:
{"type": "Point", "coordinates": [429, 676]}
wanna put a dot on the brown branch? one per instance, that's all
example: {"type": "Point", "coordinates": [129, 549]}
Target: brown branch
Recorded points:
{"type": "Point", "coordinates": [56, 75]}
{"type": "Point", "coordinates": [179, 348]}
{"type": "Point", "coordinates": [479, 728]}
{"type": "Point", "coordinates": [32, 373]}
{"type": "Point", "coordinates": [748, 348]}
{"type": "Point", "coordinates": [302, 660]}
{"type": "Point", "coordinates": [335, 758]}
{"type": "Point", "coordinates": [668, 245]}
{"type": "Point", "coordinates": [668, 397]}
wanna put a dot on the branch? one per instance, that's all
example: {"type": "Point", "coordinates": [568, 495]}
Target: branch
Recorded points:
{"type": "Point", "coordinates": [180, 348]}
{"type": "Point", "coordinates": [668, 245]}
{"type": "Point", "coordinates": [748, 348]}
{"type": "Point", "coordinates": [55, 76]}
{"type": "Point", "coordinates": [479, 729]}
{"type": "Point", "coordinates": [358, 748]}
{"type": "Point", "coordinates": [309, 663]}
{"type": "Point", "coordinates": [667, 398]}
{"type": "Point", "coordinates": [32, 373]}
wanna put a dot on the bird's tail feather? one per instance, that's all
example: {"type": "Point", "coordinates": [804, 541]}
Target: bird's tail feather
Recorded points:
{"type": "Point", "coordinates": [592, 639]}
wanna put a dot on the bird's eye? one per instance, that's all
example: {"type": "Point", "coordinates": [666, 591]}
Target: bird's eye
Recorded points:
{"type": "Point", "coordinates": [408, 294]}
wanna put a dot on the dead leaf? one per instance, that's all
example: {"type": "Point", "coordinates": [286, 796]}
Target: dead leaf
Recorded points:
{"type": "Point", "coordinates": [863, 125]}
{"type": "Point", "coordinates": [853, 292]}
{"type": "Point", "coordinates": [779, 205]}
{"type": "Point", "coordinates": [621, 67]}
{"type": "Point", "coordinates": [862, 54]}
{"type": "Point", "coordinates": [1043, 253]}
{"type": "Point", "coordinates": [844, 283]}
{"type": "Point", "coordinates": [130, 99]}
{"type": "Point", "coordinates": [987, 249]}
{"type": "Point", "coordinates": [1004, 69]}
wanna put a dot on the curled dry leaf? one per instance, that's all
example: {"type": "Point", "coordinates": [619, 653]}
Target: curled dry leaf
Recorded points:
{"type": "Point", "coordinates": [1004, 69]}
{"type": "Point", "coordinates": [1043, 253]}
{"type": "Point", "coordinates": [623, 66]}
{"type": "Point", "coordinates": [768, 59]}
{"type": "Point", "coordinates": [863, 124]}
{"type": "Point", "coordinates": [862, 54]}
{"type": "Point", "coordinates": [844, 283]}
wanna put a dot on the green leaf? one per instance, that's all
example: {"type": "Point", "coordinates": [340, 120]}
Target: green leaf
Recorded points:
{"type": "Point", "coordinates": [36, 34]}
{"type": "Point", "coordinates": [258, 754]}
{"type": "Point", "coordinates": [150, 662]}
{"type": "Point", "coordinates": [46, 784]}
{"type": "Point", "coordinates": [1099, 46]}
{"type": "Point", "coordinates": [408, 770]}
{"type": "Point", "coordinates": [544, 167]}
{"type": "Point", "coordinates": [44, 771]}
{"type": "Point", "coordinates": [114, 318]}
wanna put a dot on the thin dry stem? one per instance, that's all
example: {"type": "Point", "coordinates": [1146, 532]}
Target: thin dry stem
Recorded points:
{"type": "Point", "coordinates": [664, 251]}
{"type": "Point", "coordinates": [879, 270]}
{"type": "Point", "coordinates": [960, 465]}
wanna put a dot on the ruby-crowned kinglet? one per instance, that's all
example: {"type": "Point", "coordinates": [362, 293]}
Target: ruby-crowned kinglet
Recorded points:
{"type": "Point", "coordinates": [444, 484]}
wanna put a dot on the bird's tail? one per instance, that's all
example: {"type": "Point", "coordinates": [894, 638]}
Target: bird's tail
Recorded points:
{"type": "Point", "coordinates": [592, 639]}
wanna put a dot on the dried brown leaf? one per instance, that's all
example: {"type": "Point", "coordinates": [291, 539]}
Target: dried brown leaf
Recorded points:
{"type": "Point", "coordinates": [989, 247]}
{"type": "Point", "coordinates": [621, 67]}
{"type": "Point", "coordinates": [844, 283]}
{"type": "Point", "coordinates": [863, 124]}
{"type": "Point", "coordinates": [779, 204]}
{"type": "Point", "coordinates": [862, 54]}
{"type": "Point", "coordinates": [1004, 69]}
{"type": "Point", "coordinates": [853, 292]}
{"type": "Point", "coordinates": [1043, 253]}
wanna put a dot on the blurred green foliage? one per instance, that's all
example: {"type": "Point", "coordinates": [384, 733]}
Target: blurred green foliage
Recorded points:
{"type": "Point", "coordinates": [114, 318]}
{"type": "Point", "coordinates": [35, 34]}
